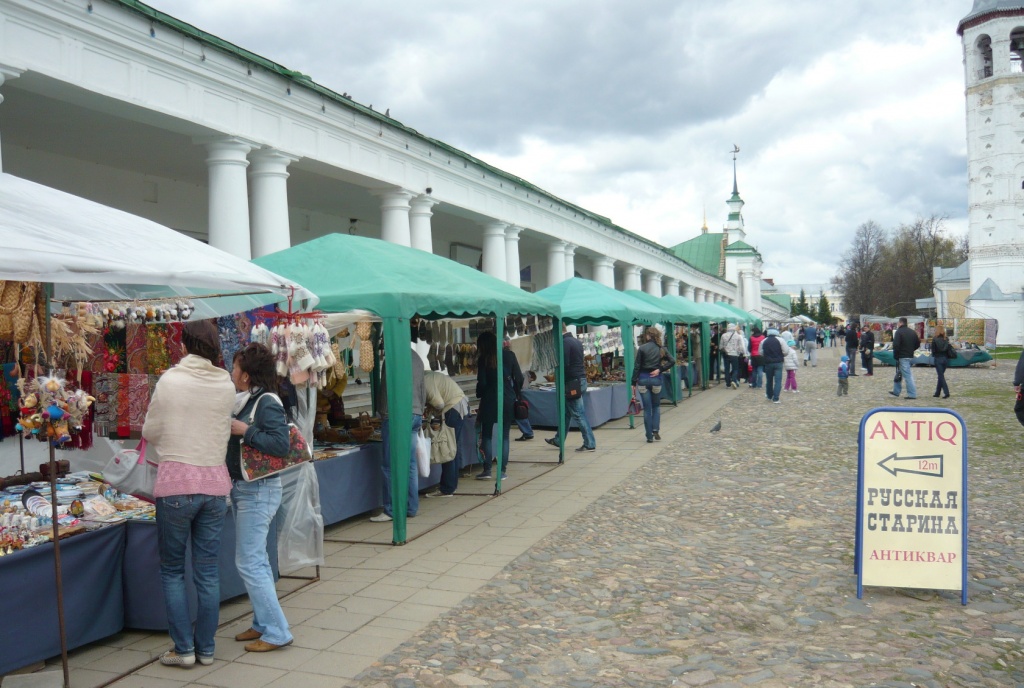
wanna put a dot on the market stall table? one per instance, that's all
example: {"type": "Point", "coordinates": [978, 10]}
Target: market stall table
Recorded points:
{"type": "Point", "coordinates": [964, 358]}
{"type": "Point", "coordinates": [602, 404]}
{"type": "Point", "coordinates": [93, 602]}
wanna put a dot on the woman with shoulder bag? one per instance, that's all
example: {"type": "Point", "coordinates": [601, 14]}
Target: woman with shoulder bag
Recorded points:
{"type": "Point", "coordinates": [647, 379]}
{"type": "Point", "coordinates": [260, 423]}
{"type": "Point", "coordinates": [940, 354]}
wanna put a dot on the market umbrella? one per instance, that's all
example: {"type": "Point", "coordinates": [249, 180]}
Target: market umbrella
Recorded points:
{"type": "Point", "coordinates": [585, 302]}
{"type": "Point", "coordinates": [396, 283]}
{"type": "Point", "coordinates": [83, 250]}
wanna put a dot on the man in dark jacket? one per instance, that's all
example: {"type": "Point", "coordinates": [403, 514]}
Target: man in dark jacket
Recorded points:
{"type": "Point", "coordinates": [774, 350]}
{"type": "Point", "coordinates": [852, 342]}
{"type": "Point", "coordinates": [1018, 383]}
{"type": "Point", "coordinates": [867, 350]}
{"type": "Point", "coordinates": [904, 343]}
{"type": "Point", "coordinates": [575, 370]}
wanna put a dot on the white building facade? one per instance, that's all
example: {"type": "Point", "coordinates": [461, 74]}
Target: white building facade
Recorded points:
{"type": "Point", "coordinates": [119, 103]}
{"type": "Point", "coordinates": [993, 44]}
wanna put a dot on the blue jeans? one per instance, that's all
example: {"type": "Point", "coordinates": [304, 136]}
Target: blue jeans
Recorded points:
{"type": "Point", "coordinates": [524, 426]}
{"type": "Point", "coordinates": [649, 390]}
{"type": "Point", "coordinates": [908, 377]}
{"type": "Point", "coordinates": [413, 506]}
{"type": "Point", "coordinates": [201, 518]}
{"type": "Point", "coordinates": [487, 440]}
{"type": "Point", "coordinates": [575, 410]}
{"type": "Point", "coordinates": [755, 380]}
{"type": "Point", "coordinates": [732, 370]}
{"type": "Point", "coordinates": [773, 380]}
{"type": "Point", "coordinates": [254, 505]}
{"type": "Point", "coordinates": [450, 470]}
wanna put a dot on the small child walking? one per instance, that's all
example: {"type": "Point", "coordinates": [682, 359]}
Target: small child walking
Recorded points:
{"type": "Point", "coordinates": [790, 364]}
{"type": "Point", "coordinates": [844, 374]}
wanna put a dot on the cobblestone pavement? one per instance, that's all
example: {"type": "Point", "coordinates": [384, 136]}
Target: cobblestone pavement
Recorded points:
{"type": "Point", "coordinates": [728, 561]}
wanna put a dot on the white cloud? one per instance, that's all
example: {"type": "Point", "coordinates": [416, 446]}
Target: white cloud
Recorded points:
{"type": "Point", "coordinates": [845, 112]}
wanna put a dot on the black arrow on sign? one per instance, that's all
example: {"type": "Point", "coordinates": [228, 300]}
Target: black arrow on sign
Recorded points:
{"type": "Point", "coordinates": [930, 465]}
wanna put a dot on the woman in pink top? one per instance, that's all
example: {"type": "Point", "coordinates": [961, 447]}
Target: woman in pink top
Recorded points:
{"type": "Point", "coordinates": [188, 425]}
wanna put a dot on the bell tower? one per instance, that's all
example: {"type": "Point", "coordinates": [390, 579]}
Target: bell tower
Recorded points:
{"type": "Point", "coordinates": [992, 36]}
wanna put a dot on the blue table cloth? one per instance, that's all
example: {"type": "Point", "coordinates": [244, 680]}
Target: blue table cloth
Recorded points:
{"type": "Point", "coordinates": [91, 566]}
{"type": "Point", "coordinates": [601, 403]}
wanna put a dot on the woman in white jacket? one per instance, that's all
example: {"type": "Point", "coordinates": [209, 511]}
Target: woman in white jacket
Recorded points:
{"type": "Point", "coordinates": [790, 365]}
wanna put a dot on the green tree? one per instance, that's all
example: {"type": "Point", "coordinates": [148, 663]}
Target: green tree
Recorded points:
{"type": "Point", "coordinates": [801, 305]}
{"type": "Point", "coordinates": [823, 314]}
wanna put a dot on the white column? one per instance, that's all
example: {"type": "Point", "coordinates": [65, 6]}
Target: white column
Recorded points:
{"type": "Point", "coordinates": [654, 284]}
{"type": "Point", "coordinates": [570, 260]}
{"type": "Point", "coordinates": [394, 215]}
{"type": "Point", "coordinates": [687, 291]}
{"type": "Point", "coordinates": [748, 291]}
{"type": "Point", "coordinates": [700, 295]}
{"type": "Point", "coordinates": [512, 267]}
{"type": "Point", "coordinates": [6, 74]}
{"type": "Point", "coordinates": [732, 302]}
{"type": "Point", "coordinates": [604, 270]}
{"type": "Point", "coordinates": [268, 201]}
{"type": "Point", "coordinates": [556, 262]}
{"type": "Point", "coordinates": [420, 234]}
{"type": "Point", "coordinates": [672, 288]}
{"type": "Point", "coordinates": [228, 209]}
{"type": "Point", "coordinates": [494, 250]}
{"type": "Point", "coordinates": [631, 278]}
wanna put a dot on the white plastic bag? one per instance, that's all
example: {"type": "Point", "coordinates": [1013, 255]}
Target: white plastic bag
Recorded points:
{"type": "Point", "coordinates": [300, 536]}
{"type": "Point", "coordinates": [423, 454]}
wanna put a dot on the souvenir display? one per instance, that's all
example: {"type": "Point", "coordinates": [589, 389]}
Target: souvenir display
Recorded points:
{"type": "Point", "coordinates": [50, 410]}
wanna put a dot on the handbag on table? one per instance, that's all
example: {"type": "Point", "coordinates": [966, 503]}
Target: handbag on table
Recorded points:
{"type": "Point", "coordinates": [256, 464]}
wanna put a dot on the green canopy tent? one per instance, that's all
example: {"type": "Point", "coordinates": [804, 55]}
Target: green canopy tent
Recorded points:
{"type": "Point", "coordinates": [395, 282]}
{"type": "Point", "coordinates": [748, 319]}
{"type": "Point", "coordinates": [585, 302]}
{"type": "Point", "coordinates": [706, 313]}
{"type": "Point", "coordinates": [679, 314]}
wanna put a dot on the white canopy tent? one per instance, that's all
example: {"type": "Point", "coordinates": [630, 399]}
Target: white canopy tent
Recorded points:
{"type": "Point", "coordinates": [89, 251]}
{"type": "Point", "coordinates": [92, 252]}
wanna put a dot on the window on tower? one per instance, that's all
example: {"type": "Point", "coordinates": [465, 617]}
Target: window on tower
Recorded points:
{"type": "Point", "coordinates": [1017, 50]}
{"type": "Point", "coordinates": [984, 56]}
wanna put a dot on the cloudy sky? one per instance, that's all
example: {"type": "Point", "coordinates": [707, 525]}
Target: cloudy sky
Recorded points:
{"type": "Point", "coordinates": [844, 111]}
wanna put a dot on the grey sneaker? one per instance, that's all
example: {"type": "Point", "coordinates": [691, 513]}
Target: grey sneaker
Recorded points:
{"type": "Point", "coordinates": [380, 518]}
{"type": "Point", "coordinates": [172, 658]}
{"type": "Point", "coordinates": [205, 660]}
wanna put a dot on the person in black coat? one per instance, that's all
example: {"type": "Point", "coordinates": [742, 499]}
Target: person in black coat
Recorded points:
{"type": "Point", "coordinates": [867, 350]}
{"type": "Point", "coordinates": [487, 389]}
{"type": "Point", "coordinates": [852, 342]}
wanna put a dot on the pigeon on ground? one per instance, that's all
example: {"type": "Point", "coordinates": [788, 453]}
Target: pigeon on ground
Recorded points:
{"type": "Point", "coordinates": [717, 426]}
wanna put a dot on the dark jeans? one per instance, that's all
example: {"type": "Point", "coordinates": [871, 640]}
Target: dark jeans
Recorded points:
{"type": "Point", "coordinates": [852, 353]}
{"type": "Point", "coordinates": [773, 380]}
{"type": "Point", "coordinates": [178, 519]}
{"type": "Point", "coordinates": [941, 363]}
{"type": "Point", "coordinates": [487, 439]}
{"type": "Point", "coordinates": [867, 362]}
{"type": "Point", "coordinates": [450, 471]}
{"type": "Point", "coordinates": [732, 370]}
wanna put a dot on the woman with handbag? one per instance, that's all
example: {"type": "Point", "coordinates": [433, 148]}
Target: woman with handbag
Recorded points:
{"type": "Point", "coordinates": [647, 380]}
{"type": "Point", "coordinates": [188, 426]}
{"type": "Point", "coordinates": [941, 349]}
{"type": "Point", "coordinates": [449, 401]}
{"type": "Point", "coordinates": [487, 389]}
{"type": "Point", "coordinates": [260, 423]}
